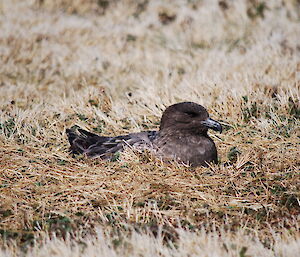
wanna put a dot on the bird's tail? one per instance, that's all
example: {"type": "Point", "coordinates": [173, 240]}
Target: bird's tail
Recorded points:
{"type": "Point", "coordinates": [80, 140]}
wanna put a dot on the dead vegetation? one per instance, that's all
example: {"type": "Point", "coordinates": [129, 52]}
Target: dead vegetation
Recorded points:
{"type": "Point", "coordinates": [112, 67]}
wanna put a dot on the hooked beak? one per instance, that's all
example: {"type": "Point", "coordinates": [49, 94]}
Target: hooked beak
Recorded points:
{"type": "Point", "coordinates": [212, 124]}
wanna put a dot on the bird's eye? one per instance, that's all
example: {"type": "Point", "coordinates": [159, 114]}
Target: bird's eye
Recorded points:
{"type": "Point", "coordinates": [192, 114]}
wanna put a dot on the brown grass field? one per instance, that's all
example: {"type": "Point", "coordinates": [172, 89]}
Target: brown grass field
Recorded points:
{"type": "Point", "coordinates": [112, 67]}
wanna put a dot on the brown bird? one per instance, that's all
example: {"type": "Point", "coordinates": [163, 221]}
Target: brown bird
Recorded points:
{"type": "Point", "coordinates": [182, 136]}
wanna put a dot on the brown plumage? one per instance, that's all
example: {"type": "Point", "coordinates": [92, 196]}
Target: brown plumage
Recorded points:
{"type": "Point", "coordinates": [182, 136]}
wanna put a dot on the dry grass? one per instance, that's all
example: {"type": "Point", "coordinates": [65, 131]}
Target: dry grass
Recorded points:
{"type": "Point", "coordinates": [112, 67]}
{"type": "Point", "coordinates": [200, 243]}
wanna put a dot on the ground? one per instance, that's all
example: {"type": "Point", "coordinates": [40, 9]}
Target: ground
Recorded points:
{"type": "Point", "coordinates": [112, 67]}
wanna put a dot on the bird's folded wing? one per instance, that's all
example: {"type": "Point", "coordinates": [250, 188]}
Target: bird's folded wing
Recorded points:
{"type": "Point", "coordinates": [93, 145]}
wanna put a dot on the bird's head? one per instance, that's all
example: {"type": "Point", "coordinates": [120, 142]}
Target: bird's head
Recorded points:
{"type": "Point", "coordinates": [189, 117]}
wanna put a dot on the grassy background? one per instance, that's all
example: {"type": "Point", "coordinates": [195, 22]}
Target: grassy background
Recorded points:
{"type": "Point", "coordinates": [112, 67]}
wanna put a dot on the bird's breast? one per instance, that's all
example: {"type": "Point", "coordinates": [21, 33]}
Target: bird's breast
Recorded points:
{"type": "Point", "coordinates": [194, 150]}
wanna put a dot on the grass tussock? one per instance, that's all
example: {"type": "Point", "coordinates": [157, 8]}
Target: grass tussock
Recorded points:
{"type": "Point", "coordinates": [112, 67]}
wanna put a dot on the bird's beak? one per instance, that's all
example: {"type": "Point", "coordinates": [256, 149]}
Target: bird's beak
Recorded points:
{"type": "Point", "coordinates": [212, 124]}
